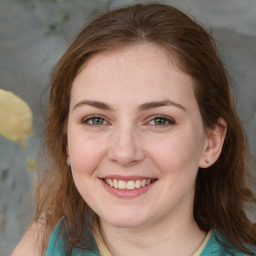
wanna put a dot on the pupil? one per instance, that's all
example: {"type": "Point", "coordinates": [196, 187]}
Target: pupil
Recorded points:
{"type": "Point", "coordinates": [160, 121]}
{"type": "Point", "coordinates": [98, 121]}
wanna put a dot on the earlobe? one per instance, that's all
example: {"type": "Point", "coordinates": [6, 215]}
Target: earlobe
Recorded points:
{"type": "Point", "coordinates": [68, 156]}
{"type": "Point", "coordinates": [214, 143]}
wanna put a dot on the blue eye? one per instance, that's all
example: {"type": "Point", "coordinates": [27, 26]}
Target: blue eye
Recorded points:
{"type": "Point", "coordinates": [161, 121]}
{"type": "Point", "coordinates": [95, 120]}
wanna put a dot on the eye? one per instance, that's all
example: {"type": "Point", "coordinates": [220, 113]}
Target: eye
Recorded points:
{"type": "Point", "coordinates": [95, 120]}
{"type": "Point", "coordinates": [161, 121]}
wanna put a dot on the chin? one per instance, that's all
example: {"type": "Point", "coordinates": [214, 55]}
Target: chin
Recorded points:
{"type": "Point", "coordinates": [125, 220]}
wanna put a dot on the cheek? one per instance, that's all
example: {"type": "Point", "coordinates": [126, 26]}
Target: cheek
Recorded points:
{"type": "Point", "coordinates": [176, 153]}
{"type": "Point", "coordinates": [85, 153]}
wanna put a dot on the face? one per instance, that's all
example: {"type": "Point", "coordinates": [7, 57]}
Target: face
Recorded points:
{"type": "Point", "coordinates": [135, 137]}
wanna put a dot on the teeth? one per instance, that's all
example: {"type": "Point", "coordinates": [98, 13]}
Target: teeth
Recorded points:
{"type": "Point", "coordinates": [110, 183]}
{"type": "Point", "coordinates": [137, 183]}
{"type": "Point", "coordinates": [115, 183]}
{"type": "Point", "coordinates": [121, 184]}
{"type": "Point", "coordinates": [129, 185]}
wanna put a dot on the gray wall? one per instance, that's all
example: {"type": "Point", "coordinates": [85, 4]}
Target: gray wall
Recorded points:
{"type": "Point", "coordinates": [34, 34]}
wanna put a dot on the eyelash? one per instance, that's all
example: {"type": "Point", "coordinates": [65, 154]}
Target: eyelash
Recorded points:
{"type": "Point", "coordinates": [169, 120]}
{"type": "Point", "coordinates": [93, 117]}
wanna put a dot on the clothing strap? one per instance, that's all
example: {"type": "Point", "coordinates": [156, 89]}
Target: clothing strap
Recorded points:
{"type": "Point", "coordinates": [103, 250]}
{"type": "Point", "coordinates": [202, 246]}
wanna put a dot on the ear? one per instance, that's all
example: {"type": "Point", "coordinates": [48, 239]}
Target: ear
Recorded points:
{"type": "Point", "coordinates": [213, 144]}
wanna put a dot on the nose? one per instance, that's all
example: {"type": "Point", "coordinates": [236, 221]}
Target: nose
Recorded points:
{"type": "Point", "coordinates": [126, 148]}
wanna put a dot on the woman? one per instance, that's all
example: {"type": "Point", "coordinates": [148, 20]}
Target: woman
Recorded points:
{"type": "Point", "coordinates": [149, 156]}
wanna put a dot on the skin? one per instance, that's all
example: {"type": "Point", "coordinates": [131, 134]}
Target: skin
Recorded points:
{"type": "Point", "coordinates": [31, 242]}
{"type": "Point", "coordinates": [130, 139]}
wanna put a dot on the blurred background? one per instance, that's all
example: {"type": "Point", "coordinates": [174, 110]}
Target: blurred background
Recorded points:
{"type": "Point", "coordinates": [33, 36]}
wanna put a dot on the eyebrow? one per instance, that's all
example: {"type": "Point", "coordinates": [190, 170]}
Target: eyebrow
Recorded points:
{"type": "Point", "coordinates": [93, 103]}
{"type": "Point", "coordinates": [142, 107]}
{"type": "Point", "coordinates": [155, 104]}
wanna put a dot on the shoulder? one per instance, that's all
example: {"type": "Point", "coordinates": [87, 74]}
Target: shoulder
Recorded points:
{"type": "Point", "coordinates": [58, 244]}
{"type": "Point", "coordinates": [215, 248]}
{"type": "Point", "coordinates": [32, 241]}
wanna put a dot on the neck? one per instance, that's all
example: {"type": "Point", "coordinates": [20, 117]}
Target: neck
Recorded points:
{"type": "Point", "coordinates": [180, 237]}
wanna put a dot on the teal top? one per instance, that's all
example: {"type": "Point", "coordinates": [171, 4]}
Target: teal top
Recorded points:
{"type": "Point", "coordinates": [56, 246]}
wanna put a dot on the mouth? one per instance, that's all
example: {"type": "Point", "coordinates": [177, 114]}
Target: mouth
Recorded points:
{"type": "Point", "coordinates": [128, 185]}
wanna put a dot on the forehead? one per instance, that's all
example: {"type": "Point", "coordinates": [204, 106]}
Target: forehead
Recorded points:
{"type": "Point", "coordinates": [143, 70]}
{"type": "Point", "coordinates": [138, 52]}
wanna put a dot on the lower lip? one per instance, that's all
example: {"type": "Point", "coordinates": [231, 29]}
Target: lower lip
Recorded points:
{"type": "Point", "coordinates": [125, 193]}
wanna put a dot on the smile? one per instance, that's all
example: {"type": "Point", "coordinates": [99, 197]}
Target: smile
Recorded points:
{"type": "Point", "coordinates": [128, 185]}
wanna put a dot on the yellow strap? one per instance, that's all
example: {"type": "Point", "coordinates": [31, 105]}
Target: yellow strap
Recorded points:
{"type": "Point", "coordinates": [103, 250]}
{"type": "Point", "coordinates": [201, 247]}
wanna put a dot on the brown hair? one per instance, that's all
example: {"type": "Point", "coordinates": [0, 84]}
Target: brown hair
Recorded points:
{"type": "Point", "coordinates": [222, 192]}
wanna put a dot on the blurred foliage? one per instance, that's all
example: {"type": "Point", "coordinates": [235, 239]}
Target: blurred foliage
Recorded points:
{"type": "Point", "coordinates": [63, 12]}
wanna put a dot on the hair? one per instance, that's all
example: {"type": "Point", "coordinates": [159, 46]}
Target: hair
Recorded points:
{"type": "Point", "coordinates": [222, 191]}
